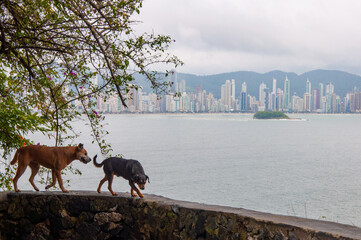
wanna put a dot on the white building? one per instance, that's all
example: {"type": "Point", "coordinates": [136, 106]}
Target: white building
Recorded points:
{"type": "Point", "coordinates": [287, 94]}
{"type": "Point", "coordinates": [233, 90]}
{"type": "Point", "coordinates": [262, 94]}
{"type": "Point", "coordinates": [226, 95]}
{"type": "Point", "coordinates": [297, 104]}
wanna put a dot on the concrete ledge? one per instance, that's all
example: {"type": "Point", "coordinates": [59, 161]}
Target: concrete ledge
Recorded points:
{"type": "Point", "coordinates": [104, 216]}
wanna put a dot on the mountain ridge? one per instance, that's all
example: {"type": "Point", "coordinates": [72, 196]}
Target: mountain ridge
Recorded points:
{"type": "Point", "coordinates": [344, 82]}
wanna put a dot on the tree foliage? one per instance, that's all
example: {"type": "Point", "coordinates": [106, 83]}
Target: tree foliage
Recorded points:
{"type": "Point", "coordinates": [270, 115]}
{"type": "Point", "coordinates": [50, 53]}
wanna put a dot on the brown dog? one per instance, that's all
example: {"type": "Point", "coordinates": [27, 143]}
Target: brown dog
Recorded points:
{"type": "Point", "coordinates": [54, 158]}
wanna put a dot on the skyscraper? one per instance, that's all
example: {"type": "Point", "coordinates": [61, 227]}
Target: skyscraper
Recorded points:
{"type": "Point", "coordinates": [223, 93]}
{"type": "Point", "coordinates": [262, 94]}
{"type": "Point", "coordinates": [320, 86]}
{"type": "Point", "coordinates": [330, 89]}
{"type": "Point", "coordinates": [273, 96]}
{"type": "Point", "coordinates": [308, 86]}
{"type": "Point", "coordinates": [133, 98]}
{"type": "Point", "coordinates": [182, 86]}
{"type": "Point", "coordinates": [297, 103]}
{"type": "Point", "coordinates": [173, 79]}
{"type": "Point", "coordinates": [244, 87]}
{"type": "Point", "coordinates": [274, 85]}
{"type": "Point", "coordinates": [226, 97]}
{"type": "Point", "coordinates": [266, 99]}
{"type": "Point", "coordinates": [307, 102]}
{"type": "Point", "coordinates": [233, 90]}
{"type": "Point", "coordinates": [243, 105]}
{"type": "Point", "coordinates": [287, 94]}
{"type": "Point", "coordinates": [316, 103]}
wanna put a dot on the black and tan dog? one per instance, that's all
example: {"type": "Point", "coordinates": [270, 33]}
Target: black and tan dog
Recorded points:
{"type": "Point", "coordinates": [54, 158]}
{"type": "Point", "coordinates": [129, 169]}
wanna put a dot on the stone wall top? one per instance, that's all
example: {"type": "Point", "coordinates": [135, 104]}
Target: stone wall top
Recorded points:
{"type": "Point", "coordinates": [336, 230]}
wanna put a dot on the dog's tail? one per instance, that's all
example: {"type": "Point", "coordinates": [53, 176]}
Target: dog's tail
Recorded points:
{"type": "Point", "coordinates": [15, 159]}
{"type": "Point", "coordinates": [95, 162]}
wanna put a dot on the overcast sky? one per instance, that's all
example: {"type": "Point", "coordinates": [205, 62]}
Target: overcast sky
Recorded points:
{"type": "Point", "coordinates": [216, 36]}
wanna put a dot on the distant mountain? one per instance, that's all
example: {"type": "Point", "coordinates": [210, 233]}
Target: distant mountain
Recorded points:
{"type": "Point", "coordinates": [344, 82]}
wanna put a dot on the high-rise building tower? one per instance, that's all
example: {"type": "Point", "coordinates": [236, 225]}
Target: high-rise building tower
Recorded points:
{"type": "Point", "coordinates": [262, 94]}
{"type": "Point", "coordinates": [307, 102]}
{"type": "Point", "coordinates": [316, 103]}
{"type": "Point", "coordinates": [266, 99]}
{"type": "Point", "coordinates": [279, 99]}
{"type": "Point", "coordinates": [308, 86]}
{"type": "Point", "coordinates": [244, 87]}
{"type": "Point", "coordinates": [233, 90]}
{"type": "Point", "coordinates": [228, 99]}
{"type": "Point", "coordinates": [320, 86]}
{"type": "Point", "coordinates": [274, 86]}
{"type": "Point", "coordinates": [223, 93]}
{"type": "Point", "coordinates": [173, 79]}
{"type": "Point", "coordinates": [182, 86]}
{"type": "Point", "coordinates": [287, 94]}
{"type": "Point", "coordinates": [226, 94]}
{"type": "Point", "coordinates": [273, 95]}
{"type": "Point", "coordinates": [330, 89]}
{"type": "Point", "coordinates": [244, 102]}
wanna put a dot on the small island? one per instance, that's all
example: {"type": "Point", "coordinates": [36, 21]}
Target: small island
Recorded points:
{"type": "Point", "coordinates": [270, 115]}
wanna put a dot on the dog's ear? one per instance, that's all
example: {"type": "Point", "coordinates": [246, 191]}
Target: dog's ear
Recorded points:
{"type": "Point", "coordinates": [147, 178]}
{"type": "Point", "coordinates": [80, 146]}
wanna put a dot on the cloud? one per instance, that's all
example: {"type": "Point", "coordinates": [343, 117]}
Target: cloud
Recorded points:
{"type": "Point", "coordinates": [217, 36]}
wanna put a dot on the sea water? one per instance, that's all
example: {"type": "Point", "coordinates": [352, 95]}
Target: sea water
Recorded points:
{"type": "Point", "coordinates": [308, 167]}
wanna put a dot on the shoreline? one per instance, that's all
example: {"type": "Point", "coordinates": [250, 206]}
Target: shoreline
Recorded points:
{"type": "Point", "coordinates": [221, 113]}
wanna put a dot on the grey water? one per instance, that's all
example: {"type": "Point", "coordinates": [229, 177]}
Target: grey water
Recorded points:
{"type": "Point", "coordinates": [308, 167]}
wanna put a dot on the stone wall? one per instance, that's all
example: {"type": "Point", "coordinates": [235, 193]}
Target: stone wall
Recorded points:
{"type": "Point", "coordinates": [89, 215]}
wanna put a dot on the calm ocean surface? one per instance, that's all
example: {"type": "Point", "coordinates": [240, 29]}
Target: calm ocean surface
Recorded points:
{"type": "Point", "coordinates": [306, 168]}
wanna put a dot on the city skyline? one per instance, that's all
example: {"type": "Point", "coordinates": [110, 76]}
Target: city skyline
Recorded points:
{"type": "Point", "coordinates": [320, 99]}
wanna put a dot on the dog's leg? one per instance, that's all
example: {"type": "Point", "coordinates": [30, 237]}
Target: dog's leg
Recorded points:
{"type": "Point", "coordinates": [60, 181]}
{"type": "Point", "coordinates": [19, 171]}
{"type": "Point", "coordinates": [53, 174]}
{"type": "Point", "coordinates": [139, 193]}
{"type": "Point", "coordinates": [101, 183]}
{"type": "Point", "coordinates": [134, 188]}
{"type": "Point", "coordinates": [34, 170]}
{"type": "Point", "coordinates": [132, 192]}
{"type": "Point", "coordinates": [110, 181]}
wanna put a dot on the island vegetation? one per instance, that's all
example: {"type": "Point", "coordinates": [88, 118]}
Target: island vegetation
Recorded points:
{"type": "Point", "coordinates": [270, 115]}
